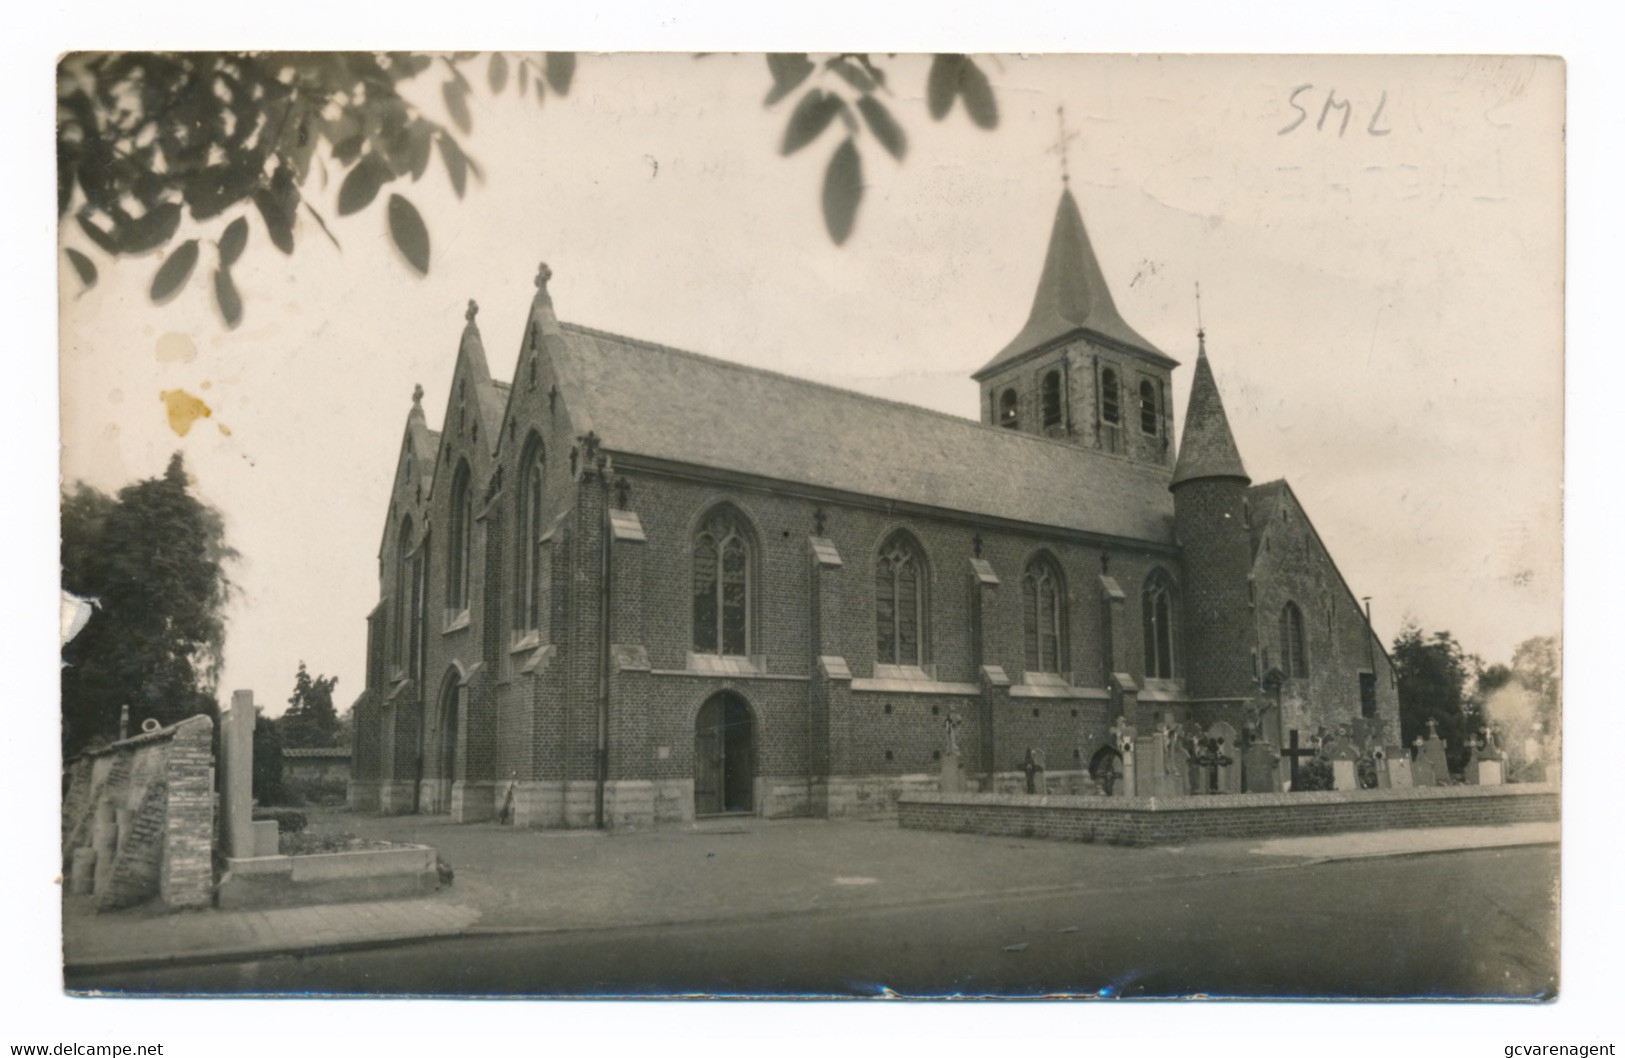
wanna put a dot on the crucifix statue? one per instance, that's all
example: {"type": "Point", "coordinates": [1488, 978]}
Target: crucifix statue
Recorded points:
{"type": "Point", "coordinates": [1062, 139]}
{"type": "Point", "coordinates": [950, 724]}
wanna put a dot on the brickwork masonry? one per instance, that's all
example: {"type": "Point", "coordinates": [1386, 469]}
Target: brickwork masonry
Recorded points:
{"type": "Point", "coordinates": [1175, 820]}
{"type": "Point", "coordinates": [155, 796]}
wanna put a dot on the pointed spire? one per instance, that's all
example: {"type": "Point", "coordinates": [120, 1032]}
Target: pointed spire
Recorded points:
{"type": "Point", "coordinates": [1072, 295]}
{"type": "Point", "coordinates": [1207, 449]}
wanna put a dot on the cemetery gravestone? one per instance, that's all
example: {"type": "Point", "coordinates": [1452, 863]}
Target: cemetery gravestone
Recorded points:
{"type": "Point", "coordinates": [1258, 766]}
{"type": "Point", "coordinates": [1396, 766]}
{"type": "Point", "coordinates": [1227, 776]}
{"type": "Point", "coordinates": [1422, 767]}
{"type": "Point", "coordinates": [1124, 731]}
{"type": "Point", "coordinates": [1434, 749]}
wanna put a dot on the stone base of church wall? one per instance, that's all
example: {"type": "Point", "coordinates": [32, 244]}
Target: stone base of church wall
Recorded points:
{"type": "Point", "coordinates": [674, 800]}
{"type": "Point", "coordinates": [629, 804]}
{"type": "Point", "coordinates": [434, 796]}
{"type": "Point", "coordinates": [538, 804]}
{"type": "Point", "coordinates": [783, 798]}
{"type": "Point", "coordinates": [361, 796]}
{"type": "Point", "coordinates": [580, 804]}
{"type": "Point", "coordinates": [394, 797]}
{"type": "Point", "coordinates": [473, 802]}
{"type": "Point", "coordinates": [868, 797]}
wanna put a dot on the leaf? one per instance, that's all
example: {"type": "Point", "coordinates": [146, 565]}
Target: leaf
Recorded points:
{"type": "Point", "coordinates": [420, 140]}
{"type": "Point", "coordinates": [851, 74]}
{"type": "Point", "coordinates": [150, 230]}
{"type": "Point", "coordinates": [225, 295]}
{"type": "Point", "coordinates": [407, 229]}
{"type": "Point", "coordinates": [96, 234]}
{"type": "Point", "coordinates": [978, 95]}
{"type": "Point", "coordinates": [942, 84]}
{"type": "Point", "coordinates": [361, 184]}
{"type": "Point", "coordinates": [843, 190]}
{"type": "Point", "coordinates": [560, 68]}
{"type": "Point", "coordinates": [456, 161]}
{"type": "Point", "coordinates": [884, 126]}
{"type": "Point", "coordinates": [175, 270]}
{"type": "Point", "coordinates": [811, 117]}
{"type": "Point", "coordinates": [457, 105]}
{"type": "Point", "coordinates": [232, 241]}
{"type": "Point", "coordinates": [498, 72]}
{"type": "Point", "coordinates": [278, 220]}
{"type": "Point", "coordinates": [84, 266]}
{"type": "Point", "coordinates": [323, 224]}
{"type": "Point", "coordinates": [789, 69]}
{"type": "Point", "coordinates": [348, 149]}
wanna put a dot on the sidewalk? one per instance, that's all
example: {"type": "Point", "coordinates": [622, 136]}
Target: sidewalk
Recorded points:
{"type": "Point", "coordinates": [512, 881]}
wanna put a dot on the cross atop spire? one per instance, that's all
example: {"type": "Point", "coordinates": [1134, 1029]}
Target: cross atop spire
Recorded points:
{"type": "Point", "coordinates": [417, 393]}
{"type": "Point", "coordinates": [472, 310]}
{"type": "Point", "coordinates": [1201, 334]}
{"type": "Point", "coordinates": [543, 274]}
{"type": "Point", "coordinates": [1062, 138]}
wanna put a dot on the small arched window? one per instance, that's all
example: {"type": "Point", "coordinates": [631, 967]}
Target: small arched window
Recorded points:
{"type": "Point", "coordinates": [1052, 399]}
{"type": "Point", "coordinates": [900, 601]}
{"type": "Point", "coordinates": [1294, 655]}
{"type": "Point", "coordinates": [723, 583]}
{"type": "Point", "coordinates": [1009, 413]}
{"type": "Point", "coordinates": [1043, 615]}
{"type": "Point", "coordinates": [1148, 408]}
{"type": "Point", "coordinates": [460, 542]}
{"type": "Point", "coordinates": [1111, 403]}
{"type": "Point", "coordinates": [1157, 612]}
{"type": "Point", "coordinates": [529, 574]}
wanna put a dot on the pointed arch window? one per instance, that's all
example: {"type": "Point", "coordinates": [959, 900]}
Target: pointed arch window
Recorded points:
{"type": "Point", "coordinates": [1009, 410]}
{"type": "Point", "coordinates": [1111, 401]}
{"type": "Point", "coordinates": [460, 550]}
{"type": "Point", "coordinates": [405, 591]}
{"type": "Point", "coordinates": [1149, 414]}
{"type": "Point", "coordinates": [1043, 613]}
{"type": "Point", "coordinates": [900, 601]}
{"type": "Point", "coordinates": [723, 584]}
{"type": "Point", "coordinates": [1157, 612]}
{"type": "Point", "coordinates": [530, 574]}
{"type": "Point", "coordinates": [1294, 655]}
{"type": "Point", "coordinates": [1052, 399]}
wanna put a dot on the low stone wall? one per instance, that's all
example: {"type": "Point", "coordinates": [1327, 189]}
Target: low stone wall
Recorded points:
{"type": "Point", "coordinates": [1174, 820]}
{"type": "Point", "coordinates": [138, 819]}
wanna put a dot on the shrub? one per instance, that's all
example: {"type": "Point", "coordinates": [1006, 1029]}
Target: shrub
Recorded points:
{"type": "Point", "coordinates": [1313, 774]}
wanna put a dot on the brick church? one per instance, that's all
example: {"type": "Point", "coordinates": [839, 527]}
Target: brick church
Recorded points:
{"type": "Point", "coordinates": [636, 585]}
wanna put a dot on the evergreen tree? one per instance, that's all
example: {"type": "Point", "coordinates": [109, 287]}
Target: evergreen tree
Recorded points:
{"type": "Point", "coordinates": [1433, 676]}
{"type": "Point", "coordinates": [311, 721]}
{"type": "Point", "coordinates": [154, 558]}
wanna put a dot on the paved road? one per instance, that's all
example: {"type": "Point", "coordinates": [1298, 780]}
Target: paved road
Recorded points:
{"type": "Point", "coordinates": [1471, 923]}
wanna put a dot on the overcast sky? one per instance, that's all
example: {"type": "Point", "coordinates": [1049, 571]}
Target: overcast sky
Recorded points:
{"type": "Point", "coordinates": [1382, 302]}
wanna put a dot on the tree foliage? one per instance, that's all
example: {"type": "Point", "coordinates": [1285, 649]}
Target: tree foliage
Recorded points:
{"type": "Point", "coordinates": [1536, 665]}
{"type": "Point", "coordinates": [311, 721]}
{"type": "Point", "coordinates": [154, 560]}
{"type": "Point", "coordinates": [1434, 676]}
{"type": "Point", "coordinates": [146, 139]}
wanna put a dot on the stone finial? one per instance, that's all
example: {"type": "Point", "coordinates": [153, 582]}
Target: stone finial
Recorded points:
{"type": "Point", "coordinates": [543, 274]}
{"type": "Point", "coordinates": [472, 310]}
{"type": "Point", "coordinates": [417, 393]}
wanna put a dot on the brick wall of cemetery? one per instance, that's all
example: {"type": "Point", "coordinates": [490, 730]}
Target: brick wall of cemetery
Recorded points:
{"type": "Point", "coordinates": [1142, 821]}
{"type": "Point", "coordinates": [155, 795]}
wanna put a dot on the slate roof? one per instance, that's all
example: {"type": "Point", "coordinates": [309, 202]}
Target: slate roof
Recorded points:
{"type": "Point", "coordinates": [1264, 501]}
{"type": "Point", "coordinates": [1072, 296]}
{"type": "Point", "coordinates": [651, 400]}
{"type": "Point", "coordinates": [1207, 449]}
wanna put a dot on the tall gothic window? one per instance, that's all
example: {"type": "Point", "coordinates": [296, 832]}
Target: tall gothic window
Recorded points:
{"type": "Point", "coordinates": [1111, 401]}
{"type": "Point", "coordinates": [1043, 614]}
{"type": "Point", "coordinates": [900, 601]}
{"type": "Point", "coordinates": [1052, 399]}
{"type": "Point", "coordinates": [722, 584]}
{"type": "Point", "coordinates": [1294, 656]}
{"type": "Point", "coordinates": [528, 573]}
{"type": "Point", "coordinates": [1009, 412]}
{"type": "Point", "coordinates": [460, 551]}
{"type": "Point", "coordinates": [1157, 612]}
{"type": "Point", "coordinates": [1148, 408]}
{"type": "Point", "coordinates": [404, 589]}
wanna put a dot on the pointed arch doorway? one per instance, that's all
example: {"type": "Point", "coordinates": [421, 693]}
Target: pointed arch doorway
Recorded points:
{"type": "Point", "coordinates": [724, 756]}
{"type": "Point", "coordinates": [445, 742]}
